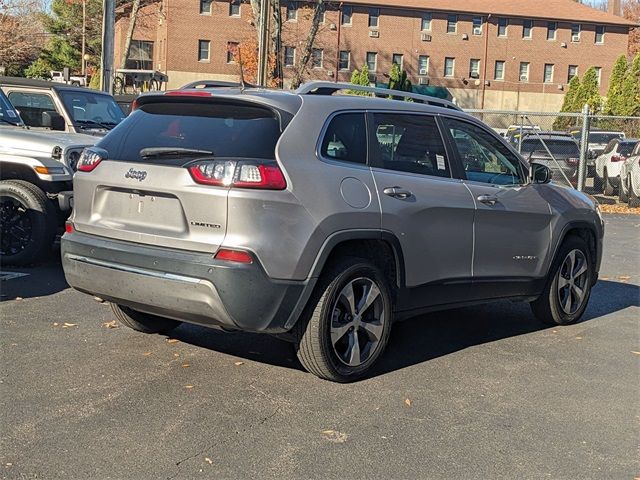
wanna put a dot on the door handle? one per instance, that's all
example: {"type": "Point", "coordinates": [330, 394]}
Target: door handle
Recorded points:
{"type": "Point", "coordinates": [488, 199]}
{"type": "Point", "coordinates": [397, 192]}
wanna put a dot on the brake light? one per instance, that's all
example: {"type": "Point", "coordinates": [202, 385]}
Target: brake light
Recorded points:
{"type": "Point", "coordinates": [188, 93]}
{"type": "Point", "coordinates": [573, 161]}
{"type": "Point", "coordinates": [240, 174]}
{"type": "Point", "coordinates": [238, 256]}
{"type": "Point", "coordinates": [618, 158]}
{"type": "Point", "coordinates": [89, 160]}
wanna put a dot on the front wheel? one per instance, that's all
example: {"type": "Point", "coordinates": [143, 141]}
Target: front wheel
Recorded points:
{"type": "Point", "coordinates": [347, 324]}
{"type": "Point", "coordinates": [143, 322]}
{"type": "Point", "coordinates": [623, 195]}
{"type": "Point", "coordinates": [608, 188]}
{"type": "Point", "coordinates": [567, 292]}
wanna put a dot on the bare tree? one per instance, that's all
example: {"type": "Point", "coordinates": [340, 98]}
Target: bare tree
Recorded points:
{"type": "Point", "coordinates": [133, 17]}
{"type": "Point", "coordinates": [21, 32]}
{"type": "Point", "coordinates": [303, 61]}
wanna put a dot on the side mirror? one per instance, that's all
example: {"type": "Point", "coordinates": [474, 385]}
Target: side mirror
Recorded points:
{"type": "Point", "coordinates": [540, 173]}
{"type": "Point", "coordinates": [53, 120]}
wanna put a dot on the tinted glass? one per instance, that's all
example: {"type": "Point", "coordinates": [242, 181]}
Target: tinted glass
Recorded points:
{"type": "Point", "coordinates": [226, 129]}
{"type": "Point", "coordinates": [346, 138]}
{"type": "Point", "coordinates": [626, 148]}
{"type": "Point", "coordinates": [556, 147]}
{"type": "Point", "coordinates": [409, 143]}
{"type": "Point", "coordinates": [7, 112]}
{"type": "Point", "coordinates": [31, 106]}
{"type": "Point", "coordinates": [484, 157]}
{"type": "Point", "coordinates": [601, 137]}
{"type": "Point", "coordinates": [87, 109]}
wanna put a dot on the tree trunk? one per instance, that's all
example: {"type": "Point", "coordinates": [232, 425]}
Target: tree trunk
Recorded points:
{"type": "Point", "coordinates": [276, 40]}
{"type": "Point", "coordinates": [135, 7]}
{"type": "Point", "coordinates": [298, 75]}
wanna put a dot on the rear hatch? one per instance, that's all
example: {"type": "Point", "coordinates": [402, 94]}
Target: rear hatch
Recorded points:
{"type": "Point", "coordinates": [162, 176]}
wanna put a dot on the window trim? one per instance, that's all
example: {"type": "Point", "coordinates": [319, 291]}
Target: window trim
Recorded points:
{"type": "Point", "coordinates": [555, 31]}
{"type": "Point", "coordinates": [471, 60]}
{"type": "Point", "coordinates": [595, 37]}
{"type": "Point", "coordinates": [207, 13]}
{"type": "Point", "coordinates": [348, 52]}
{"type": "Point", "coordinates": [366, 59]}
{"type": "Point", "coordinates": [544, 73]}
{"type": "Point", "coordinates": [294, 8]}
{"type": "Point", "coordinates": [506, 27]}
{"type": "Point", "coordinates": [455, 23]}
{"type": "Point", "coordinates": [473, 26]}
{"type": "Point", "coordinates": [231, 3]}
{"type": "Point", "coordinates": [579, 25]}
{"type": "Point", "coordinates": [530, 36]}
{"type": "Point", "coordinates": [284, 57]}
{"type": "Point", "coordinates": [528, 64]}
{"type": "Point", "coordinates": [428, 64]}
{"type": "Point", "coordinates": [425, 15]}
{"type": "Point", "coordinates": [376, 16]}
{"type": "Point", "coordinates": [323, 132]}
{"type": "Point", "coordinates": [495, 70]}
{"type": "Point", "coordinates": [317, 67]}
{"type": "Point", "coordinates": [453, 70]}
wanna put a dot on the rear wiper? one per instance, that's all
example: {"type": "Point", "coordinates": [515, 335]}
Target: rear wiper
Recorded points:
{"type": "Point", "coordinates": [173, 152]}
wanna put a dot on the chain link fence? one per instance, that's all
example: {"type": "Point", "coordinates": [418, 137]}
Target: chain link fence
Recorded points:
{"type": "Point", "coordinates": [583, 150]}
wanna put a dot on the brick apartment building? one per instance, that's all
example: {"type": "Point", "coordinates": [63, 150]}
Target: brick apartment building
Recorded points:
{"type": "Point", "coordinates": [508, 54]}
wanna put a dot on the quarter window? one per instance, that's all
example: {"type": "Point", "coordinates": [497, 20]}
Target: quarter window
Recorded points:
{"type": "Point", "coordinates": [346, 139]}
{"type": "Point", "coordinates": [485, 158]}
{"type": "Point", "coordinates": [408, 143]}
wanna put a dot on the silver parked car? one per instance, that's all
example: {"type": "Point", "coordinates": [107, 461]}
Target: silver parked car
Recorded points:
{"type": "Point", "coordinates": [322, 217]}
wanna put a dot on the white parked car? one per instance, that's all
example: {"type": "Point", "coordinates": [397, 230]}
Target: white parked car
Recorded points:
{"type": "Point", "coordinates": [630, 179]}
{"type": "Point", "coordinates": [609, 163]}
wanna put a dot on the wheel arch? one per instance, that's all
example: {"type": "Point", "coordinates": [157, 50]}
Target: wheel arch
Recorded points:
{"type": "Point", "coordinates": [585, 230]}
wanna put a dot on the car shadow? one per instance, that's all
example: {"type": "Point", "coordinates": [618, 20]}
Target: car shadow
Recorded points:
{"type": "Point", "coordinates": [421, 338]}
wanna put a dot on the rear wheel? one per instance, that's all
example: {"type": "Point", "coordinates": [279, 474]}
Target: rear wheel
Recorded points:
{"type": "Point", "coordinates": [623, 195]}
{"type": "Point", "coordinates": [567, 292]}
{"type": "Point", "coordinates": [607, 186]}
{"type": "Point", "coordinates": [347, 326]}
{"type": "Point", "coordinates": [143, 322]}
{"type": "Point", "coordinates": [634, 199]}
{"type": "Point", "coordinates": [27, 223]}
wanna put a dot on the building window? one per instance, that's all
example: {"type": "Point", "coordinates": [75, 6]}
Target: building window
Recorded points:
{"type": "Point", "coordinates": [232, 50]}
{"type": "Point", "coordinates": [316, 58]}
{"type": "Point", "coordinates": [524, 72]}
{"type": "Point", "coordinates": [548, 72]}
{"type": "Point", "coordinates": [289, 56]}
{"type": "Point", "coordinates": [599, 33]}
{"type": "Point", "coordinates": [572, 72]}
{"type": "Point", "coordinates": [474, 68]}
{"type": "Point", "coordinates": [423, 64]}
{"type": "Point", "coordinates": [452, 23]}
{"type": "Point", "coordinates": [498, 72]}
{"type": "Point", "coordinates": [292, 12]}
{"type": "Point", "coordinates": [477, 25]}
{"type": "Point", "coordinates": [397, 59]}
{"type": "Point", "coordinates": [527, 28]}
{"type": "Point", "coordinates": [425, 23]}
{"type": "Point", "coordinates": [449, 67]}
{"type": "Point", "coordinates": [599, 74]}
{"type": "Point", "coordinates": [372, 61]}
{"type": "Point", "coordinates": [203, 50]}
{"type": "Point", "coordinates": [344, 60]}
{"type": "Point", "coordinates": [347, 12]}
{"type": "Point", "coordinates": [140, 55]}
{"type": "Point", "coordinates": [575, 32]}
{"type": "Point", "coordinates": [552, 27]}
{"type": "Point", "coordinates": [205, 7]}
{"type": "Point", "coordinates": [234, 8]}
{"type": "Point", "coordinates": [503, 23]}
{"type": "Point", "coordinates": [374, 13]}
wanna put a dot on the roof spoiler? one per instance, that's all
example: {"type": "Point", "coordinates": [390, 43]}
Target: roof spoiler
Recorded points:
{"type": "Point", "coordinates": [329, 88]}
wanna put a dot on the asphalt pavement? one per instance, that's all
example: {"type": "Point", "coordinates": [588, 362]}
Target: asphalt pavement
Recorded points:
{"type": "Point", "coordinates": [479, 392]}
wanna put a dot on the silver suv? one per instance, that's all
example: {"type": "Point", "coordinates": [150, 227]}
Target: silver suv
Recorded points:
{"type": "Point", "coordinates": [322, 217]}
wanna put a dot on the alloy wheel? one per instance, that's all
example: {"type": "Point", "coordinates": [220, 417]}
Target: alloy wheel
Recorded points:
{"type": "Point", "coordinates": [16, 226]}
{"type": "Point", "coordinates": [357, 321]}
{"type": "Point", "coordinates": [572, 281]}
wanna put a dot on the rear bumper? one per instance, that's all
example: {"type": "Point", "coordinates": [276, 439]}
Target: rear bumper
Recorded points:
{"type": "Point", "coordinates": [187, 286]}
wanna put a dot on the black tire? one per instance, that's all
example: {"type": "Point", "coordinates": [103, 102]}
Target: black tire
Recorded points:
{"type": "Point", "coordinates": [622, 196]}
{"type": "Point", "coordinates": [143, 322]}
{"type": "Point", "coordinates": [312, 333]}
{"type": "Point", "coordinates": [547, 308]}
{"type": "Point", "coordinates": [634, 199]}
{"type": "Point", "coordinates": [607, 187]}
{"type": "Point", "coordinates": [28, 223]}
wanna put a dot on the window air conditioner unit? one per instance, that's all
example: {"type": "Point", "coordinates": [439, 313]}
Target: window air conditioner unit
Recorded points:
{"type": "Point", "coordinates": [524, 78]}
{"type": "Point", "coordinates": [332, 26]}
{"type": "Point", "coordinates": [425, 37]}
{"type": "Point", "coordinates": [474, 75]}
{"type": "Point", "coordinates": [465, 36]}
{"type": "Point", "coordinates": [423, 71]}
{"type": "Point", "coordinates": [563, 45]}
{"type": "Point", "coordinates": [423, 81]}
{"type": "Point", "coordinates": [575, 38]}
{"type": "Point", "coordinates": [374, 33]}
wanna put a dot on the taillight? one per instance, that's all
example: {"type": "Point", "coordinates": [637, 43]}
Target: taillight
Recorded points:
{"type": "Point", "coordinates": [618, 158]}
{"type": "Point", "coordinates": [240, 174]}
{"type": "Point", "coordinates": [188, 93]}
{"type": "Point", "coordinates": [89, 160]}
{"type": "Point", "coordinates": [68, 227]}
{"type": "Point", "coordinates": [238, 256]}
{"type": "Point", "coordinates": [573, 161]}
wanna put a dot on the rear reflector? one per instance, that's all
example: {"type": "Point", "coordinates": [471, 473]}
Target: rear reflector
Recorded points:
{"type": "Point", "coordinates": [238, 256]}
{"type": "Point", "coordinates": [68, 227]}
{"type": "Point", "coordinates": [188, 93]}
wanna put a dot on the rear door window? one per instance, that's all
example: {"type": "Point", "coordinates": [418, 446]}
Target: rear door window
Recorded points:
{"type": "Point", "coordinates": [31, 106]}
{"type": "Point", "coordinates": [408, 143]}
{"type": "Point", "coordinates": [346, 138]}
{"type": "Point", "coordinates": [227, 129]}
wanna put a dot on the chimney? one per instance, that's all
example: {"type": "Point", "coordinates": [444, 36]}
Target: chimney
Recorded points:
{"type": "Point", "coordinates": [614, 7]}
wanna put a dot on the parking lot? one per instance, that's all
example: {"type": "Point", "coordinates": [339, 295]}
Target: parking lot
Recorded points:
{"type": "Point", "coordinates": [480, 392]}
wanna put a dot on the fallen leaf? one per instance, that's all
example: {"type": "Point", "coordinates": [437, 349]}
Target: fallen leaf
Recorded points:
{"type": "Point", "coordinates": [237, 364]}
{"type": "Point", "coordinates": [334, 436]}
{"type": "Point", "coordinates": [176, 354]}
{"type": "Point", "coordinates": [18, 299]}
{"type": "Point", "coordinates": [624, 277]}
{"type": "Point", "coordinates": [55, 324]}
{"type": "Point", "coordinates": [188, 387]}
{"type": "Point", "coordinates": [98, 299]}
{"type": "Point", "coordinates": [172, 340]}
{"type": "Point", "coordinates": [67, 325]}
{"type": "Point", "coordinates": [604, 278]}
{"type": "Point", "coordinates": [618, 208]}
{"type": "Point", "coordinates": [111, 324]}
{"type": "Point", "coordinates": [9, 464]}
{"type": "Point", "coordinates": [407, 402]}
{"type": "Point", "coordinates": [146, 354]}
{"type": "Point", "coordinates": [637, 353]}
{"type": "Point", "coordinates": [578, 338]}
{"type": "Point", "coordinates": [185, 365]}
{"type": "Point", "coordinates": [208, 460]}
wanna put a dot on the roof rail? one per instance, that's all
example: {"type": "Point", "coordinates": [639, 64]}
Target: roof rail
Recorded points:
{"type": "Point", "coordinates": [329, 88]}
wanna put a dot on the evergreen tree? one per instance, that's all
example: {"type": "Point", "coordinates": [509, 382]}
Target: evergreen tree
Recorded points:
{"type": "Point", "coordinates": [631, 89]}
{"type": "Point", "coordinates": [569, 104]}
{"type": "Point", "coordinates": [589, 91]}
{"type": "Point", "coordinates": [398, 79]}
{"type": "Point", "coordinates": [615, 98]}
{"type": "Point", "coordinates": [364, 76]}
{"type": "Point", "coordinates": [360, 78]}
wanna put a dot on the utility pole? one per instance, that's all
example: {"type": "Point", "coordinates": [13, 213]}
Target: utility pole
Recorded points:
{"type": "Point", "coordinates": [106, 60]}
{"type": "Point", "coordinates": [84, 39]}
{"type": "Point", "coordinates": [263, 46]}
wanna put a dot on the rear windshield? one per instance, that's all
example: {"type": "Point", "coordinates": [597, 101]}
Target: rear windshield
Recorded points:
{"type": "Point", "coordinates": [603, 137]}
{"type": "Point", "coordinates": [556, 147]}
{"type": "Point", "coordinates": [228, 129]}
{"type": "Point", "coordinates": [626, 148]}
